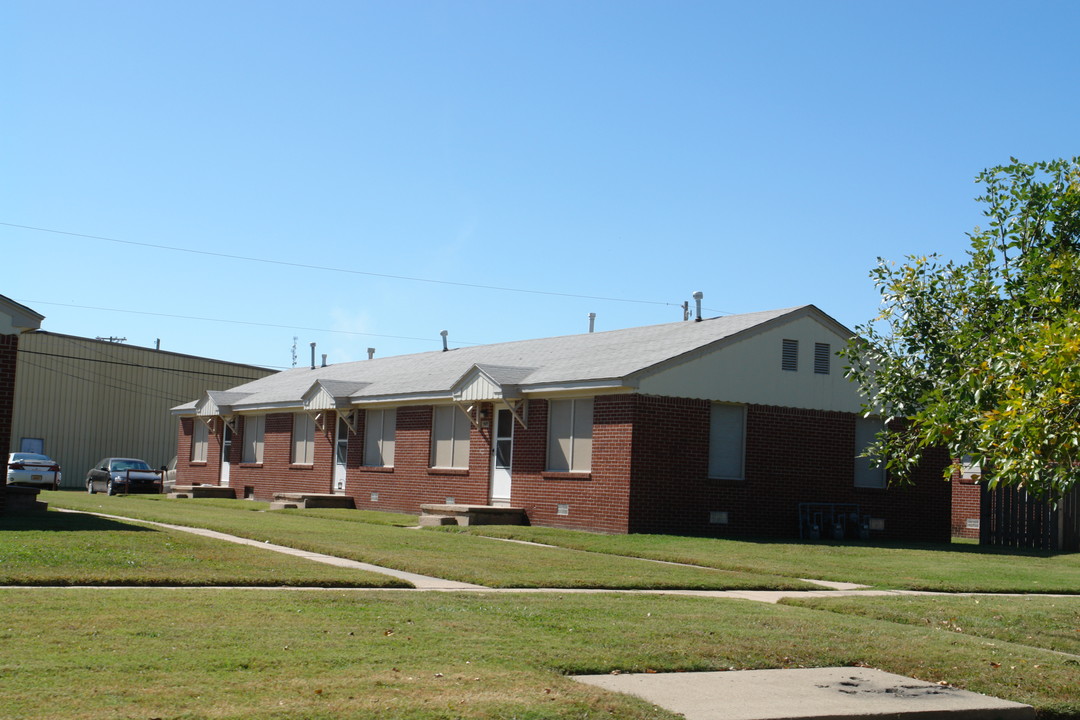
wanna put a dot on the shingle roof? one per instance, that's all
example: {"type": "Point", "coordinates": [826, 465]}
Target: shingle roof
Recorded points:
{"type": "Point", "coordinates": [611, 357]}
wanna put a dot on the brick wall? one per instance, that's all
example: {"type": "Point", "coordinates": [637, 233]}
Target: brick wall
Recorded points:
{"type": "Point", "coordinates": [792, 456]}
{"type": "Point", "coordinates": [598, 500]}
{"type": "Point", "coordinates": [411, 482]}
{"type": "Point", "coordinates": [966, 498]}
{"type": "Point", "coordinates": [649, 471]}
{"type": "Point", "coordinates": [9, 350]}
{"type": "Point", "coordinates": [276, 473]}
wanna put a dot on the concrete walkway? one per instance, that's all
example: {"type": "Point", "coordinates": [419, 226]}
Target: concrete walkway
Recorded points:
{"type": "Point", "coordinates": [810, 694]}
{"type": "Point", "coordinates": [420, 582]}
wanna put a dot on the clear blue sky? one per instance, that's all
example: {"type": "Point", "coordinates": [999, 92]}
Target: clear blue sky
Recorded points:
{"type": "Point", "coordinates": [764, 153]}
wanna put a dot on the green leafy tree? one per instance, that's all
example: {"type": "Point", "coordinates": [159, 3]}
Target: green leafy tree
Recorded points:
{"type": "Point", "coordinates": [982, 357]}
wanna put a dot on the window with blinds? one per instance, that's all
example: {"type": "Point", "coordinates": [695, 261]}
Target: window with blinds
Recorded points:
{"type": "Point", "coordinates": [449, 437]}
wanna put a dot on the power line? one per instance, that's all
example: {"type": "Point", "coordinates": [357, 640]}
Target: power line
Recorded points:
{"type": "Point", "coordinates": [342, 270]}
{"type": "Point", "coordinates": [238, 322]}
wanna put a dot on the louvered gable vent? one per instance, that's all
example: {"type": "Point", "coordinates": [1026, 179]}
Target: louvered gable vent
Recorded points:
{"type": "Point", "coordinates": [789, 359]}
{"type": "Point", "coordinates": [822, 353]}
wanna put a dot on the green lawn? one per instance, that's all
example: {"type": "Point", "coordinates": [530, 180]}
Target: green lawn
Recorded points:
{"type": "Point", "coordinates": [70, 549]}
{"type": "Point", "coordinates": [950, 568]}
{"type": "Point", "coordinates": [1051, 623]}
{"type": "Point", "coordinates": [452, 556]}
{"type": "Point", "coordinates": [93, 654]}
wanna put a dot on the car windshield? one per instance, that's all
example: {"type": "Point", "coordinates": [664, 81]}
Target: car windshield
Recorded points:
{"type": "Point", "coordinates": [129, 465]}
{"type": "Point", "coordinates": [30, 457]}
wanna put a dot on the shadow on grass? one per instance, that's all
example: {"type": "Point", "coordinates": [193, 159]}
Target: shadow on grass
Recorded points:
{"type": "Point", "coordinates": [972, 548]}
{"type": "Point", "coordinates": [67, 522]}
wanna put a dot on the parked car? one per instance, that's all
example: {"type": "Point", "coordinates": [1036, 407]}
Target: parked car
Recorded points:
{"type": "Point", "coordinates": [127, 475]}
{"type": "Point", "coordinates": [33, 469]}
{"type": "Point", "coordinates": [169, 475]}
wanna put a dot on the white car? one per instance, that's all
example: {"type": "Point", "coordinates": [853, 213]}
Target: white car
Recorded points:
{"type": "Point", "coordinates": [33, 469]}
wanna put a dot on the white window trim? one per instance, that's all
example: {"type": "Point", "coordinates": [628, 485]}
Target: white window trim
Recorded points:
{"type": "Point", "coordinates": [254, 439]}
{"type": "Point", "coordinates": [383, 435]}
{"type": "Point", "coordinates": [576, 442]}
{"type": "Point", "coordinates": [200, 441]}
{"type": "Point", "coordinates": [303, 448]}
{"type": "Point", "coordinates": [458, 422]}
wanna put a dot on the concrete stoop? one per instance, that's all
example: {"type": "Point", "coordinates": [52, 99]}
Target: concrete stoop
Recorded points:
{"type": "Point", "coordinates": [471, 515]}
{"type": "Point", "coordinates": [305, 501]}
{"type": "Point", "coordinates": [202, 491]}
{"type": "Point", "coordinates": [818, 693]}
{"type": "Point", "coordinates": [23, 500]}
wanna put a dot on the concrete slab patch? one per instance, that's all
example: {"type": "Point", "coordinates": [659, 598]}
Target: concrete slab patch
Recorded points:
{"type": "Point", "coordinates": [817, 693]}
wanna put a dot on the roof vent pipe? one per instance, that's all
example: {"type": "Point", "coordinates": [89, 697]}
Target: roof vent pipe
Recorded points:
{"type": "Point", "coordinates": [312, 356]}
{"type": "Point", "coordinates": [324, 359]}
{"type": "Point", "coordinates": [371, 353]}
{"type": "Point", "coordinates": [697, 302]}
{"type": "Point", "coordinates": [444, 333]}
{"type": "Point", "coordinates": [592, 321]}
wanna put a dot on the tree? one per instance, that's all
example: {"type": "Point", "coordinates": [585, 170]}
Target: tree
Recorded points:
{"type": "Point", "coordinates": [982, 357]}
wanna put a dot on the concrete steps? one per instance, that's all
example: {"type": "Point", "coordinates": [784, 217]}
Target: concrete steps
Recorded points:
{"type": "Point", "coordinates": [202, 491]}
{"type": "Point", "coordinates": [471, 515]}
{"type": "Point", "coordinates": [302, 501]}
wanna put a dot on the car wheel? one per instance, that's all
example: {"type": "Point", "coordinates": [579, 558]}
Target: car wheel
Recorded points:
{"type": "Point", "coordinates": [90, 487]}
{"type": "Point", "coordinates": [109, 489]}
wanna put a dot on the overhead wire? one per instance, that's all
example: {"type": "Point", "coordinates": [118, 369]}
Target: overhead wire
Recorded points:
{"type": "Point", "coordinates": [348, 271]}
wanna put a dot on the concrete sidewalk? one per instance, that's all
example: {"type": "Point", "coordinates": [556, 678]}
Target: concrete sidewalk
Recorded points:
{"type": "Point", "coordinates": [420, 582]}
{"type": "Point", "coordinates": [805, 694]}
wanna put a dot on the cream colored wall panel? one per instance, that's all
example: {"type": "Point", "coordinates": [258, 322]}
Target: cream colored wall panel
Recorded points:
{"type": "Point", "coordinates": [749, 372]}
{"type": "Point", "coordinates": [88, 399]}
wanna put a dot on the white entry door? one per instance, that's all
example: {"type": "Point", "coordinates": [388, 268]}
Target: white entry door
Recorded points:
{"type": "Point", "coordinates": [226, 451]}
{"type": "Point", "coordinates": [502, 450]}
{"type": "Point", "coordinates": [341, 455]}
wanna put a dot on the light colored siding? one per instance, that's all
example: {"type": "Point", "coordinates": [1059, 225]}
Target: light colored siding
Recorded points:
{"type": "Point", "coordinates": [89, 399]}
{"type": "Point", "coordinates": [750, 372]}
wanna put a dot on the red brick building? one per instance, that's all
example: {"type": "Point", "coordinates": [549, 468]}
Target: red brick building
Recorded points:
{"type": "Point", "coordinates": [735, 426]}
{"type": "Point", "coordinates": [15, 319]}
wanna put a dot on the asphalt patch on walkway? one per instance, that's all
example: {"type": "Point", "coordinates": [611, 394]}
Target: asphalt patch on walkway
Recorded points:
{"type": "Point", "coordinates": [815, 693]}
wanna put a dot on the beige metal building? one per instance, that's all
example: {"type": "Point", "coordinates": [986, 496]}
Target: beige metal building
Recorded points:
{"type": "Point", "coordinates": [78, 400]}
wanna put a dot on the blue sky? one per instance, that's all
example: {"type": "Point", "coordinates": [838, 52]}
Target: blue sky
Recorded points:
{"type": "Point", "coordinates": [226, 177]}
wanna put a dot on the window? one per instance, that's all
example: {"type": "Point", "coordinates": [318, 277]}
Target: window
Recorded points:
{"type": "Point", "coordinates": [727, 432]}
{"type": "Point", "coordinates": [449, 437]}
{"type": "Point", "coordinates": [303, 437]}
{"type": "Point", "coordinates": [200, 440]}
{"type": "Point", "coordinates": [822, 355]}
{"type": "Point", "coordinates": [254, 432]}
{"type": "Point", "coordinates": [789, 355]}
{"type": "Point", "coordinates": [570, 435]}
{"type": "Point", "coordinates": [379, 429]}
{"type": "Point", "coordinates": [866, 475]}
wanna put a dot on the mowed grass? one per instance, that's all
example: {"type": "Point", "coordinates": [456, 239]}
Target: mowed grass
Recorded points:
{"type": "Point", "coordinates": [57, 548]}
{"type": "Point", "coordinates": [91, 654]}
{"type": "Point", "coordinates": [460, 557]}
{"type": "Point", "coordinates": [1051, 623]}
{"type": "Point", "coordinates": [948, 568]}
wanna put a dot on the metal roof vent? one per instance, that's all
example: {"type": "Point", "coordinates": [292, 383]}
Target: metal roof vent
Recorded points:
{"type": "Point", "coordinates": [697, 302]}
{"type": "Point", "coordinates": [444, 333]}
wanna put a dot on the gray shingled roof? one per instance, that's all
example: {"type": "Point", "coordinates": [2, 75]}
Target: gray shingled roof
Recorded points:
{"type": "Point", "coordinates": [613, 357]}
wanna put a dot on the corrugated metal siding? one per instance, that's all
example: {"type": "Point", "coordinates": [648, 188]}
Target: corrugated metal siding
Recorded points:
{"type": "Point", "coordinates": [88, 399]}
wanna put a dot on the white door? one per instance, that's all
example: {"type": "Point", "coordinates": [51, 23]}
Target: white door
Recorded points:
{"type": "Point", "coordinates": [341, 454]}
{"type": "Point", "coordinates": [502, 450]}
{"type": "Point", "coordinates": [226, 451]}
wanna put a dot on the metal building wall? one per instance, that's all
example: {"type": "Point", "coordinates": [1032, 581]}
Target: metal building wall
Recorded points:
{"type": "Point", "coordinates": [88, 399]}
